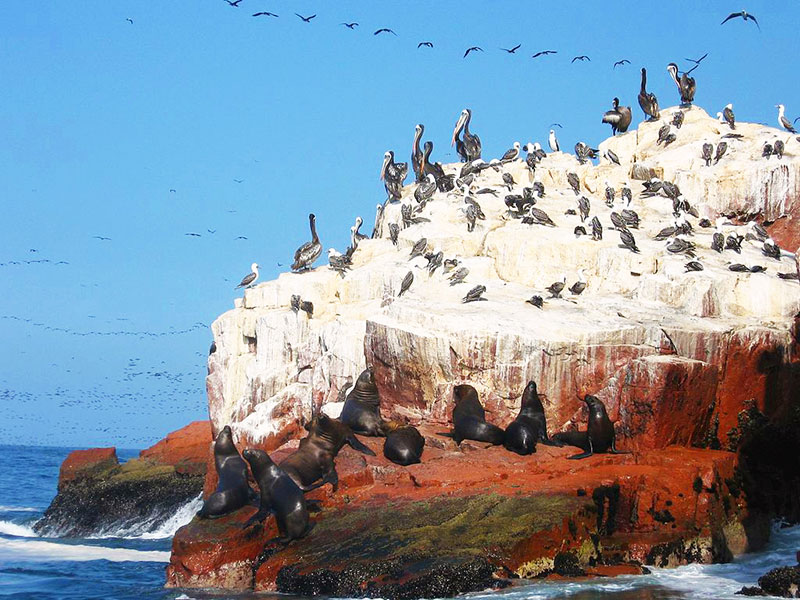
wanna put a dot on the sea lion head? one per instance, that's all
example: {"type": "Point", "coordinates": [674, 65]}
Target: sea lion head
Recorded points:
{"type": "Point", "coordinates": [464, 392]}
{"type": "Point", "coordinates": [224, 443]}
{"type": "Point", "coordinates": [367, 378]}
{"type": "Point", "coordinates": [595, 404]}
{"type": "Point", "coordinates": [258, 459]}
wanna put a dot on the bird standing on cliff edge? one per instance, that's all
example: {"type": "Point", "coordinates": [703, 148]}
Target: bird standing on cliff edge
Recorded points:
{"type": "Point", "coordinates": [250, 278]}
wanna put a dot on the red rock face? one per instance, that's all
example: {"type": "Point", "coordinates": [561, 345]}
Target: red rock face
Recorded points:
{"type": "Point", "coordinates": [86, 463]}
{"type": "Point", "coordinates": [186, 449]}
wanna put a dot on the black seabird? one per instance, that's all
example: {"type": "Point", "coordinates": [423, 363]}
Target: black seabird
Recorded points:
{"type": "Point", "coordinates": [385, 30]}
{"type": "Point", "coordinates": [264, 13]}
{"type": "Point", "coordinates": [630, 218]}
{"type": "Point", "coordinates": [512, 50]}
{"type": "Point", "coordinates": [474, 294]}
{"type": "Point", "coordinates": [556, 288]}
{"type": "Point", "coordinates": [681, 246]}
{"type": "Point", "coordinates": [784, 122]}
{"type": "Point", "coordinates": [425, 190]}
{"type": "Point", "coordinates": [306, 254]}
{"type": "Point", "coordinates": [611, 195]}
{"type": "Point", "coordinates": [508, 180]}
{"type": "Point", "coordinates": [721, 148]}
{"type": "Point", "coordinates": [419, 248]}
{"type": "Point", "coordinates": [618, 117]}
{"type": "Point", "coordinates": [338, 261]}
{"type": "Point", "coordinates": [686, 85]}
{"type": "Point", "coordinates": [544, 53]}
{"type": "Point", "coordinates": [734, 242]}
{"type": "Point", "coordinates": [647, 101]}
{"type": "Point", "coordinates": [577, 288]}
{"type": "Point", "coordinates": [663, 133]}
{"type": "Point", "coordinates": [581, 58]}
{"type": "Point", "coordinates": [407, 281]}
{"type": "Point", "coordinates": [744, 15]}
{"type": "Point", "coordinates": [574, 182]}
{"type": "Point", "coordinates": [459, 276]}
{"type": "Point", "coordinates": [626, 194]}
{"type": "Point", "coordinates": [584, 207]}
{"type": "Point", "coordinates": [579, 231]}
{"type": "Point", "coordinates": [777, 148]}
{"type": "Point", "coordinates": [472, 143]}
{"type": "Point", "coordinates": [444, 183]}
{"type": "Point", "coordinates": [306, 19]}
{"type": "Point", "coordinates": [708, 150]}
{"type": "Point", "coordinates": [597, 229]}
{"type": "Point", "coordinates": [511, 154]}
{"type": "Point", "coordinates": [771, 249]}
{"type": "Point", "coordinates": [766, 151]}
{"type": "Point", "coordinates": [394, 232]}
{"type": "Point", "coordinates": [622, 62]}
{"type": "Point", "coordinates": [727, 114]}
{"type": "Point", "coordinates": [473, 49]}
{"type": "Point", "coordinates": [718, 238]}
{"type": "Point", "coordinates": [416, 152]}
{"type": "Point", "coordinates": [426, 44]}
{"type": "Point", "coordinates": [350, 25]}
{"type": "Point", "coordinates": [758, 269]}
{"type": "Point", "coordinates": [537, 301]}
{"type": "Point", "coordinates": [739, 268]}
{"type": "Point", "coordinates": [617, 220]}
{"type": "Point", "coordinates": [250, 278]}
{"type": "Point", "coordinates": [677, 119]}
{"type": "Point", "coordinates": [693, 265]}
{"type": "Point", "coordinates": [536, 216]}
{"type": "Point", "coordinates": [434, 261]}
{"type": "Point", "coordinates": [627, 239]}
{"type": "Point", "coordinates": [393, 174]}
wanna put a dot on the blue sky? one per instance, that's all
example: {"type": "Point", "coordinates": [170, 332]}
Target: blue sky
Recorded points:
{"type": "Point", "coordinates": [101, 118]}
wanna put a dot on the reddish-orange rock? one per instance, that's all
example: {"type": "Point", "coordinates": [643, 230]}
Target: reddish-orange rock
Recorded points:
{"type": "Point", "coordinates": [187, 449]}
{"type": "Point", "coordinates": [86, 463]}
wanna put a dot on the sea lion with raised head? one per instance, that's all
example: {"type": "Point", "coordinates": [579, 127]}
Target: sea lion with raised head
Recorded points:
{"type": "Point", "coordinates": [233, 492]}
{"type": "Point", "coordinates": [311, 465]}
{"type": "Point", "coordinates": [599, 436]}
{"type": "Point", "coordinates": [362, 407]}
{"type": "Point", "coordinates": [530, 426]}
{"type": "Point", "coordinates": [404, 445]}
{"type": "Point", "coordinates": [279, 495]}
{"type": "Point", "coordinates": [469, 418]}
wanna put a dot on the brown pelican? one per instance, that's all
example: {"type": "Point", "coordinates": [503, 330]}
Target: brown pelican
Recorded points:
{"type": "Point", "coordinates": [686, 85]}
{"type": "Point", "coordinates": [355, 235]}
{"type": "Point", "coordinates": [784, 122]}
{"type": "Point", "coordinates": [416, 153]}
{"type": "Point", "coordinates": [471, 142]}
{"type": "Point", "coordinates": [250, 278]}
{"type": "Point", "coordinates": [648, 102]}
{"type": "Point", "coordinates": [393, 174]}
{"type": "Point", "coordinates": [443, 182]}
{"type": "Point", "coordinates": [618, 118]}
{"type": "Point", "coordinates": [306, 254]}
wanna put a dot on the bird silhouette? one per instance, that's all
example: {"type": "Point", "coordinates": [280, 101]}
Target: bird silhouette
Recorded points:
{"type": "Point", "coordinates": [544, 53]}
{"type": "Point", "coordinates": [472, 49]}
{"type": "Point", "coordinates": [582, 57]}
{"type": "Point", "coordinates": [352, 25]}
{"type": "Point", "coordinates": [427, 44]}
{"type": "Point", "coordinates": [264, 13]}
{"type": "Point", "coordinates": [385, 30]}
{"type": "Point", "coordinates": [233, 2]}
{"type": "Point", "coordinates": [624, 61]}
{"type": "Point", "coordinates": [699, 60]}
{"type": "Point", "coordinates": [512, 50]}
{"type": "Point", "coordinates": [306, 19]}
{"type": "Point", "coordinates": [744, 15]}
{"type": "Point", "coordinates": [129, 20]}
{"type": "Point", "coordinates": [101, 238]}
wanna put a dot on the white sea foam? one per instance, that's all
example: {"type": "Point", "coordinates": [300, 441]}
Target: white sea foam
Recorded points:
{"type": "Point", "coordinates": [4, 508]}
{"type": "Point", "coordinates": [15, 529]}
{"type": "Point", "coordinates": [53, 551]}
{"type": "Point", "coordinates": [154, 527]}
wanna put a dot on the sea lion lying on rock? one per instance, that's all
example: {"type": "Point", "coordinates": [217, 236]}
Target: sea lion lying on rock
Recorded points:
{"type": "Point", "coordinates": [311, 465]}
{"type": "Point", "coordinates": [599, 436]}
{"type": "Point", "coordinates": [233, 492]}
{"type": "Point", "coordinates": [530, 425]}
{"type": "Point", "coordinates": [403, 445]}
{"type": "Point", "coordinates": [362, 409]}
{"type": "Point", "coordinates": [279, 495]}
{"type": "Point", "coordinates": [469, 418]}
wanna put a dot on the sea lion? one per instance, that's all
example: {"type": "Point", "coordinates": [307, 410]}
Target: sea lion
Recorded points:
{"type": "Point", "coordinates": [404, 445]}
{"type": "Point", "coordinates": [279, 495]}
{"type": "Point", "coordinates": [599, 435]}
{"type": "Point", "coordinates": [469, 418]}
{"type": "Point", "coordinates": [530, 426]}
{"type": "Point", "coordinates": [362, 408]}
{"type": "Point", "coordinates": [311, 465]}
{"type": "Point", "coordinates": [233, 491]}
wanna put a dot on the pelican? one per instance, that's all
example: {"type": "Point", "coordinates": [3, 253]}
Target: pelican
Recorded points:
{"type": "Point", "coordinates": [553, 141]}
{"type": "Point", "coordinates": [355, 236]}
{"type": "Point", "coordinates": [393, 174]}
{"type": "Point", "coordinates": [618, 118]}
{"type": "Point", "coordinates": [471, 142]}
{"type": "Point", "coordinates": [443, 183]}
{"type": "Point", "coordinates": [306, 254]}
{"type": "Point", "coordinates": [648, 102]}
{"type": "Point", "coordinates": [784, 122]}
{"type": "Point", "coordinates": [416, 152]}
{"type": "Point", "coordinates": [250, 278]}
{"type": "Point", "coordinates": [686, 85]}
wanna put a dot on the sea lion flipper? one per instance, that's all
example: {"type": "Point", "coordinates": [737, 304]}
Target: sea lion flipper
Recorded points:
{"type": "Point", "coordinates": [581, 455]}
{"type": "Point", "coordinates": [614, 450]}
{"type": "Point", "coordinates": [257, 518]}
{"type": "Point", "coordinates": [357, 444]}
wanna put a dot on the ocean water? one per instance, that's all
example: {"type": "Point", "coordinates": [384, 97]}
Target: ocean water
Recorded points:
{"type": "Point", "coordinates": [130, 564]}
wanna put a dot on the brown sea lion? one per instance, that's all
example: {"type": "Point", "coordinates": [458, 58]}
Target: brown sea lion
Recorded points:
{"type": "Point", "coordinates": [233, 492]}
{"type": "Point", "coordinates": [599, 436]}
{"type": "Point", "coordinates": [404, 445]}
{"type": "Point", "coordinates": [530, 426]}
{"type": "Point", "coordinates": [279, 495]}
{"type": "Point", "coordinates": [362, 407]}
{"type": "Point", "coordinates": [469, 418]}
{"type": "Point", "coordinates": [311, 465]}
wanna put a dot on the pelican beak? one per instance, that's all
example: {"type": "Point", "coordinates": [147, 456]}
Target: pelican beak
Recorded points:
{"type": "Point", "coordinates": [458, 127]}
{"type": "Point", "coordinates": [383, 168]}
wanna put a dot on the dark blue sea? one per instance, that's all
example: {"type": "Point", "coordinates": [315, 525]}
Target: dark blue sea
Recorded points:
{"type": "Point", "coordinates": [130, 564]}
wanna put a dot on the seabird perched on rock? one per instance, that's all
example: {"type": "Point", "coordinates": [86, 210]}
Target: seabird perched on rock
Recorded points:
{"type": "Point", "coordinates": [537, 301]}
{"type": "Point", "coordinates": [734, 242]}
{"type": "Point", "coordinates": [667, 232]}
{"type": "Point", "coordinates": [416, 152]}
{"type": "Point", "coordinates": [584, 152]}
{"type": "Point", "coordinates": [449, 264]}
{"type": "Point", "coordinates": [708, 150]}
{"type": "Point", "coordinates": [459, 276]}
{"type": "Point", "coordinates": [626, 194]}
{"type": "Point", "coordinates": [538, 188]}
{"type": "Point", "coordinates": [677, 119]}
{"type": "Point", "coordinates": [556, 288]}
{"type": "Point", "coordinates": [419, 248]}
{"type": "Point", "coordinates": [652, 186]}
{"type": "Point", "coordinates": [597, 229]}
{"type": "Point", "coordinates": [627, 239]}
{"type": "Point", "coordinates": [617, 221]}
{"type": "Point", "coordinates": [508, 180]}
{"type": "Point", "coordinates": [758, 269]}
{"type": "Point", "coordinates": [553, 141]}
{"type": "Point", "coordinates": [394, 232]}
{"type": "Point", "coordinates": [767, 150]}
{"type": "Point", "coordinates": [686, 85]}
{"type": "Point", "coordinates": [579, 231]}
{"type": "Point", "coordinates": [574, 182]}
{"type": "Point", "coordinates": [777, 148]}
{"type": "Point", "coordinates": [434, 261]}
{"type": "Point", "coordinates": [784, 122]}
{"type": "Point", "coordinates": [307, 307]}
{"type": "Point", "coordinates": [577, 288]}
{"type": "Point", "coordinates": [338, 262]}
{"type": "Point", "coordinates": [718, 237]}
{"type": "Point", "coordinates": [355, 236]}
{"type": "Point", "coordinates": [758, 231]}
{"type": "Point", "coordinates": [679, 245]}
{"type": "Point", "coordinates": [306, 254]}
{"type": "Point", "coordinates": [727, 114]}
{"type": "Point", "coordinates": [611, 156]}
{"type": "Point", "coordinates": [378, 215]}
{"type": "Point", "coordinates": [474, 294]}
{"type": "Point", "coordinates": [611, 194]}
{"type": "Point", "coordinates": [663, 132]}
{"type": "Point", "coordinates": [722, 147]}
{"type": "Point", "coordinates": [536, 216]}
{"type": "Point", "coordinates": [618, 117]}
{"type": "Point", "coordinates": [771, 249]}
{"type": "Point", "coordinates": [511, 154]}
{"type": "Point", "coordinates": [250, 278]}
{"type": "Point", "coordinates": [739, 268]}
{"type": "Point", "coordinates": [294, 302]}
{"type": "Point", "coordinates": [444, 183]}
{"type": "Point", "coordinates": [669, 139]}
{"type": "Point", "coordinates": [471, 142]}
{"type": "Point", "coordinates": [693, 265]}
{"type": "Point", "coordinates": [393, 174]}
{"type": "Point", "coordinates": [630, 218]}
{"type": "Point", "coordinates": [425, 189]}
{"type": "Point", "coordinates": [584, 207]}
{"type": "Point", "coordinates": [406, 283]}
{"type": "Point", "coordinates": [647, 101]}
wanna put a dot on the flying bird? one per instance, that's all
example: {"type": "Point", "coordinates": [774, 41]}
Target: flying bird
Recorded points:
{"type": "Point", "coordinates": [624, 61]}
{"type": "Point", "coordinates": [264, 13]}
{"type": "Point", "coordinates": [544, 53]}
{"type": "Point", "coordinates": [306, 19]}
{"type": "Point", "coordinates": [512, 50]}
{"type": "Point", "coordinates": [233, 2]}
{"type": "Point", "coordinates": [427, 44]}
{"type": "Point", "coordinates": [557, 125]}
{"type": "Point", "coordinates": [352, 25]}
{"type": "Point", "coordinates": [129, 20]}
{"type": "Point", "coordinates": [192, 234]}
{"type": "Point", "coordinates": [472, 49]}
{"type": "Point", "coordinates": [582, 57]}
{"type": "Point", "coordinates": [744, 15]}
{"type": "Point", "coordinates": [699, 60]}
{"type": "Point", "coordinates": [239, 180]}
{"type": "Point", "coordinates": [101, 238]}
{"type": "Point", "coordinates": [385, 30]}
